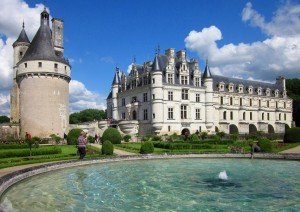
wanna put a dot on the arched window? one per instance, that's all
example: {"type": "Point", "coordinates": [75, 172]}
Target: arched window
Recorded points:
{"type": "Point", "coordinates": [224, 115]}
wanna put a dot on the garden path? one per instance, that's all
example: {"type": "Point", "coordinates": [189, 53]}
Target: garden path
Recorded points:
{"type": "Point", "coordinates": [295, 150]}
{"type": "Point", "coordinates": [116, 151]}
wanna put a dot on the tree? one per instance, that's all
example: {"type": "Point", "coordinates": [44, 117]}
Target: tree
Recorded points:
{"type": "Point", "coordinates": [293, 91]}
{"type": "Point", "coordinates": [87, 116]}
{"type": "Point", "coordinates": [4, 119]}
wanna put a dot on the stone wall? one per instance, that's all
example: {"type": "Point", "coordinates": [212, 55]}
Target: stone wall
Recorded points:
{"type": "Point", "coordinates": [8, 131]}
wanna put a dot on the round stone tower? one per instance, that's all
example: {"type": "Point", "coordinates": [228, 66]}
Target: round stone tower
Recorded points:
{"type": "Point", "coordinates": [43, 77]}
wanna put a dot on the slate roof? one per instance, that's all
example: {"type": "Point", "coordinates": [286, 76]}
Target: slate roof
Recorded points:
{"type": "Point", "coordinates": [116, 79]}
{"type": "Point", "coordinates": [246, 83]}
{"type": "Point", "coordinates": [22, 38]}
{"type": "Point", "coordinates": [41, 47]}
{"type": "Point", "coordinates": [207, 73]}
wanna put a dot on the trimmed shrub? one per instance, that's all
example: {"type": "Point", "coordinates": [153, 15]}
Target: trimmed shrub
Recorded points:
{"type": "Point", "coordinates": [203, 135]}
{"type": "Point", "coordinates": [156, 138]}
{"type": "Point", "coordinates": [26, 152]}
{"type": "Point", "coordinates": [265, 145]}
{"type": "Point", "coordinates": [147, 147]}
{"type": "Point", "coordinates": [195, 138]}
{"type": "Point", "coordinates": [91, 139]}
{"type": "Point", "coordinates": [234, 136]}
{"type": "Point", "coordinates": [292, 135]}
{"type": "Point", "coordinates": [217, 139]}
{"type": "Point", "coordinates": [13, 146]}
{"type": "Point", "coordinates": [127, 138]}
{"type": "Point", "coordinates": [221, 134]}
{"type": "Point", "coordinates": [112, 135]}
{"type": "Point", "coordinates": [107, 148]}
{"type": "Point", "coordinates": [73, 136]}
{"type": "Point", "coordinates": [56, 138]}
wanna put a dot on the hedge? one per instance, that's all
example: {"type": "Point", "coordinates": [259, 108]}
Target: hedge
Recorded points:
{"type": "Point", "coordinates": [73, 136]}
{"type": "Point", "coordinates": [265, 145]}
{"type": "Point", "coordinates": [127, 138]}
{"type": "Point", "coordinates": [292, 135]}
{"type": "Point", "coordinates": [26, 152]}
{"type": "Point", "coordinates": [112, 135]}
{"type": "Point", "coordinates": [147, 147]}
{"type": "Point", "coordinates": [13, 146]}
{"type": "Point", "coordinates": [173, 146]}
{"type": "Point", "coordinates": [107, 148]}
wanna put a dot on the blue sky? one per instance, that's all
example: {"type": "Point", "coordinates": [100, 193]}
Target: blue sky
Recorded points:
{"type": "Point", "coordinates": [247, 39]}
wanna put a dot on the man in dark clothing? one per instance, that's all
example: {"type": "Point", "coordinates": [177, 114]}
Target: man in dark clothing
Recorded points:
{"type": "Point", "coordinates": [81, 143]}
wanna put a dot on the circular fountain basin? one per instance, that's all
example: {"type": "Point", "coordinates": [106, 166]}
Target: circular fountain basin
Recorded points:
{"type": "Point", "coordinates": [161, 185]}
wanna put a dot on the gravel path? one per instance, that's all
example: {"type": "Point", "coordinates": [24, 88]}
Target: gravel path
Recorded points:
{"type": "Point", "coordinates": [295, 150]}
{"type": "Point", "coordinates": [116, 151]}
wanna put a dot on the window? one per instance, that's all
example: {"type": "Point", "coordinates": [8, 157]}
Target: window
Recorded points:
{"type": "Point", "coordinates": [285, 117]}
{"type": "Point", "coordinates": [123, 102]}
{"type": "Point", "coordinates": [197, 82]}
{"type": "Point", "coordinates": [65, 68]}
{"type": "Point", "coordinates": [183, 112]}
{"type": "Point", "coordinates": [123, 116]}
{"type": "Point", "coordinates": [259, 103]}
{"type": "Point", "coordinates": [55, 65]}
{"type": "Point", "coordinates": [279, 116]}
{"type": "Point", "coordinates": [231, 101]}
{"type": "Point", "coordinates": [145, 95]}
{"type": "Point", "coordinates": [153, 115]}
{"type": "Point", "coordinates": [145, 80]}
{"type": "Point", "coordinates": [244, 115]}
{"type": "Point", "coordinates": [153, 81]}
{"type": "Point", "coordinates": [134, 99]}
{"type": "Point", "coordinates": [40, 64]}
{"type": "Point", "coordinates": [170, 95]}
{"type": "Point", "coordinates": [221, 100]}
{"type": "Point", "coordinates": [241, 102]}
{"type": "Point", "coordinates": [21, 54]}
{"type": "Point", "coordinates": [284, 104]}
{"type": "Point", "coordinates": [185, 94]}
{"type": "Point", "coordinates": [197, 114]}
{"type": "Point", "coordinates": [268, 103]}
{"type": "Point", "coordinates": [276, 104]}
{"type": "Point", "coordinates": [250, 115]}
{"type": "Point", "coordinates": [145, 114]}
{"type": "Point", "coordinates": [268, 115]}
{"type": "Point", "coordinates": [170, 78]}
{"type": "Point", "coordinates": [169, 128]}
{"type": "Point", "coordinates": [231, 115]}
{"type": "Point", "coordinates": [250, 102]}
{"type": "Point", "coordinates": [170, 113]}
{"type": "Point", "coordinates": [25, 65]}
{"type": "Point", "coordinates": [197, 97]}
{"type": "Point", "coordinates": [184, 80]}
{"type": "Point", "coordinates": [153, 96]}
{"type": "Point", "coordinates": [262, 116]}
{"type": "Point", "coordinates": [224, 115]}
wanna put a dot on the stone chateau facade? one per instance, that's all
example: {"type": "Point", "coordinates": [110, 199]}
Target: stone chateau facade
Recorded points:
{"type": "Point", "coordinates": [172, 94]}
{"type": "Point", "coordinates": [40, 93]}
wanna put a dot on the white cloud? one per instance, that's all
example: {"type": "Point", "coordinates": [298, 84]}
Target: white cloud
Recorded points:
{"type": "Point", "coordinates": [107, 59]}
{"type": "Point", "coordinates": [4, 103]}
{"type": "Point", "coordinates": [81, 98]}
{"type": "Point", "coordinates": [277, 55]}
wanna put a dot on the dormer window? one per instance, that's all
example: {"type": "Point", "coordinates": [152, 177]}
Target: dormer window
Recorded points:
{"type": "Point", "coordinates": [276, 92]}
{"type": "Point", "coordinates": [240, 88]}
{"type": "Point", "coordinates": [221, 86]}
{"type": "Point", "coordinates": [250, 89]}
{"type": "Point", "coordinates": [231, 87]}
{"type": "Point", "coordinates": [40, 64]}
{"type": "Point", "coordinates": [284, 94]}
{"type": "Point", "coordinates": [259, 91]}
{"type": "Point", "coordinates": [268, 92]}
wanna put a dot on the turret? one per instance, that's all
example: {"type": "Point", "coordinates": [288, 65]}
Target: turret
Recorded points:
{"type": "Point", "coordinates": [208, 83]}
{"type": "Point", "coordinates": [156, 95]}
{"type": "Point", "coordinates": [115, 90]}
{"type": "Point", "coordinates": [20, 45]}
{"type": "Point", "coordinates": [45, 17]}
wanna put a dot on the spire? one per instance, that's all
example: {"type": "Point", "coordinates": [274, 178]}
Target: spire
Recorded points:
{"type": "Point", "coordinates": [45, 17]}
{"type": "Point", "coordinates": [155, 65]}
{"type": "Point", "coordinates": [116, 79]}
{"type": "Point", "coordinates": [207, 73]}
{"type": "Point", "coordinates": [22, 37]}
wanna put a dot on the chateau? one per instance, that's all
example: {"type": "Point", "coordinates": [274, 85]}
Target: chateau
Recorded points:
{"type": "Point", "coordinates": [40, 93]}
{"type": "Point", "coordinates": [172, 95]}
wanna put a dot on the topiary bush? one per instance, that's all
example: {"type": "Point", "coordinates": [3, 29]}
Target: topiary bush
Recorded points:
{"type": "Point", "coordinates": [194, 138]}
{"type": "Point", "coordinates": [147, 147]}
{"type": "Point", "coordinates": [107, 148]}
{"type": "Point", "coordinates": [112, 135]}
{"type": "Point", "coordinates": [265, 145]}
{"type": "Point", "coordinates": [127, 138]}
{"type": "Point", "coordinates": [91, 139]}
{"type": "Point", "coordinates": [73, 136]}
{"type": "Point", "coordinates": [292, 135]}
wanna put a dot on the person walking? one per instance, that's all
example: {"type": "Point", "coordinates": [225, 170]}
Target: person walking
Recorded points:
{"type": "Point", "coordinates": [81, 145]}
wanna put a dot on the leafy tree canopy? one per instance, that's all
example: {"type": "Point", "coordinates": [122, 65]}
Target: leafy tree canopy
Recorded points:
{"type": "Point", "coordinates": [4, 119]}
{"type": "Point", "coordinates": [87, 116]}
{"type": "Point", "coordinates": [293, 91]}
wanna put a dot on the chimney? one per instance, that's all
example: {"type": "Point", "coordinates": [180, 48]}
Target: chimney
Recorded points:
{"type": "Point", "coordinates": [181, 55]}
{"type": "Point", "coordinates": [58, 36]}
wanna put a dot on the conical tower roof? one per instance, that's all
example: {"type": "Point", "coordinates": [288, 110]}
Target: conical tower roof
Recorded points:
{"type": "Point", "coordinates": [23, 38]}
{"type": "Point", "coordinates": [116, 79]}
{"type": "Point", "coordinates": [155, 65]}
{"type": "Point", "coordinates": [207, 73]}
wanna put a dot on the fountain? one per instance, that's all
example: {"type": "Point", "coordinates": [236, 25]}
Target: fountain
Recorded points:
{"type": "Point", "coordinates": [223, 175]}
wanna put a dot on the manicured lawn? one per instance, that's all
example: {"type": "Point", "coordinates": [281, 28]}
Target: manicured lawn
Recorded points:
{"type": "Point", "coordinates": [68, 153]}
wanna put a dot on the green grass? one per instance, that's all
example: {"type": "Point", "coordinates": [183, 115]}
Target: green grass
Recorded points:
{"type": "Point", "coordinates": [68, 153]}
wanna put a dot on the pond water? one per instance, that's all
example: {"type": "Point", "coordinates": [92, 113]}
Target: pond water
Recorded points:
{"type": "Point", "coordinates": [162, 185]}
